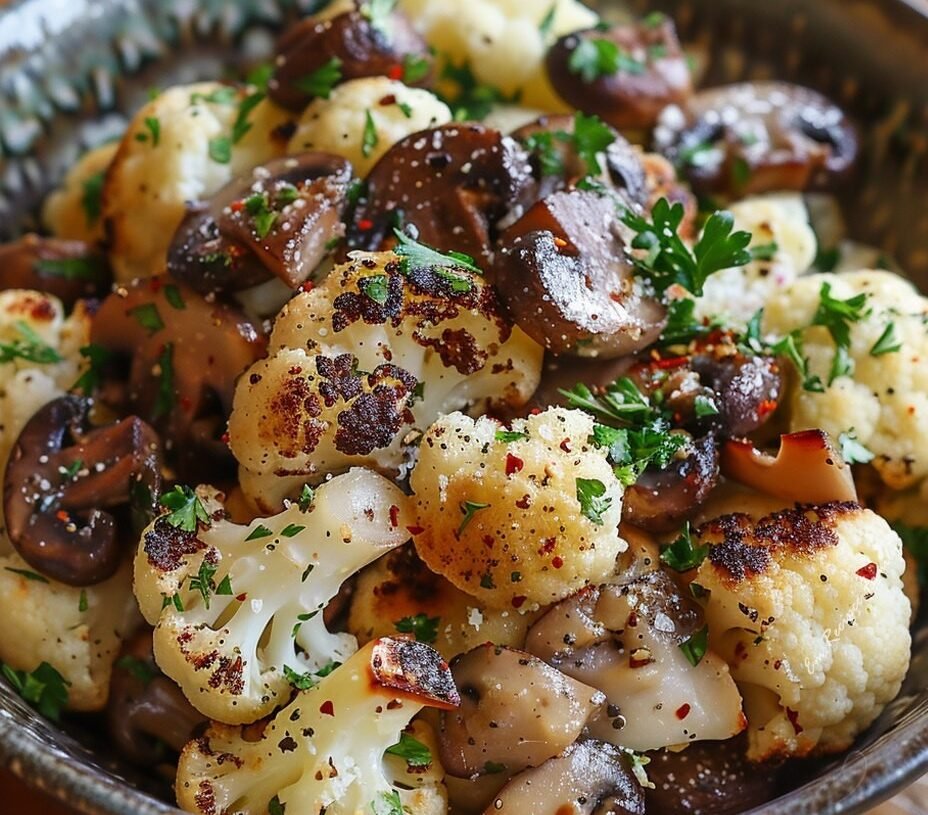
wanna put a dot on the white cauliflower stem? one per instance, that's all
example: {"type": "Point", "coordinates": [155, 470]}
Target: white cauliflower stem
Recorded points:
{"type": "Point", "coordinates": [806, 605]}
{"type": "Point", "coordinates": [512, 522]}
{"type": "Point", "coordinates": [233, 606]}
{"type": "Point", "coordinates": [325, 751]}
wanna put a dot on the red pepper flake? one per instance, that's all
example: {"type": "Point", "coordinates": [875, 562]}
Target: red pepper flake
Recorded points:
{"type": "Point", "coordinates": [389, 99]}
{"type": "Point", "coordinates": [741, 650]}
{"type": "Point", "coordinates": [225, 438]}
{"type": "Point", "coordinates": [672, 362]}
{"type": "Point", "coordinates": [62, 516]}
{"type": "Point", "coordinates": [514, 464]}
{"type": "Point", "coordinates": [793, 717]}
{"type": "Point", "coordinates": [535, 411]}
{"type": "Point", "coordinates": [365, 224]}
{"type": "Point", "coordinates": [415, 530]}
{"type": "Point", "coordinates": [557, 561]}
{"type": "Point", "coordinates": [868, 572]}
{"type": "Point", "coordinates": [548, 546]}
{"type": "Point", "coordinates": [186, 403]}
{"type": "Point", "coordinates": [394, 516]}
{"type": "Point", "coordinates": [683, 711]}
{"type": "Point", "coordinates": [639, 658]}
{"type": "Point", "coordinates": [518, 601]}
{"type": "Point", "coordinates": [241, 597]}
{"type": "Point", "coordinates": [155, 283]}
{"type": "Point", "coordinates": [489, 541]}
{"type": "Point", "coordinates": [307, 286]}
{"type": "Point", "coordinates": [524, 502]}
{"type": "Point", "coordinates": [565, 446]}
{"type": "Point", "coordinates": [632, 621]}
{"type": "Point", "coordinates": [395, 71]}
{"type": "Point", "coordinates": [327, 708]}
{"type": "Point", "coordinates": [766, 407]}
{"type": "Point", "coordinates": [237, 206]}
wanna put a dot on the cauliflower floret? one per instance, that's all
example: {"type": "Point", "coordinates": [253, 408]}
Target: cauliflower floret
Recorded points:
{"type": "Point", "coordinates": [425, 349]}
{"type": "Point", "coordinates": [735, 295]}
{"type": "Point", "coordinates": [885, 401]}
{"type": "Point", "coordinates": [73, 210]}
{"type": "Point", "coordinates": [236, 608]}
{"type": "Point", "coordinates": [806, 605]}
{"type": "Point", "coordinates": [509, 522]}
{"type": "Point", "coordinates": [364, 118]}
{"type": "Point", "coordinates": [180, 147]}
{"type": "Point", "coordinates": [501, 40]}
{"type": "Point", "coordinates": [324, 752]}
{"type": "Point", "coordinates": [399, 593]}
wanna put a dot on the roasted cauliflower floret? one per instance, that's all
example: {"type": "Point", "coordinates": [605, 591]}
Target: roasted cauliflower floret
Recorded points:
{"type": "Point", "coordinates": [397, 348]}
{"type": "Point", "coordinates": [182, 146]}
{"type": "Point", "coordinates": [399, 593]}
{"type": "Point", "coordinates": [237, 609]}
{"type": "Point", "coordinates": [73, 210]}
{"type": "Point", "coordinates": [364, 118]}
{"type": "Point", "coordinates": [501, 40]}
{"type": "Point", "coordinates": [806, 605]}
{"type": "Point", "coordinates": [527, 520]}
{"type": "Point", "coordinates": [786, 247]}
{"type": "Point", "coordinates": [324, 752]}
{"type": "Point", "coordinates": [885, 400]}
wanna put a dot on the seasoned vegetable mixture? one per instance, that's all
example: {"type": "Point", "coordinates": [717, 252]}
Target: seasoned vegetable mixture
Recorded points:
{"type": "Point", "coordinates": [465, 413]}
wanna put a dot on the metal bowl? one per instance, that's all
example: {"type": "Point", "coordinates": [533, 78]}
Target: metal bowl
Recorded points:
{"type": "Point", "coordinates": [69, 69]}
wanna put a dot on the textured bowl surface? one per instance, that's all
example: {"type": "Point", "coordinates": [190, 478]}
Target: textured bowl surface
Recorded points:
{"type": "Point", "coordinates": [70, 69]}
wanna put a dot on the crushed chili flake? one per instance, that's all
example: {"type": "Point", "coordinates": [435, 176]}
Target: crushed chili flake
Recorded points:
{"type": "Point", "coordinates": [683, 711]}
{"type": "Point", "coordinates": [518, 601]}
{"type": "Point", "coordinates": [524, 502]}
{"type": "Point", "coordinates": [389, 99]}
{"type": "Point", "coordinates": [535, 411]}
{"type": "Point", "coordinates": [514, 464]}
{"type": "Point", "coordinates": [154, 283]}
{"type": "Point", "coordinates": [394, 516]}
{"type": "Point", "coordinates": [766, 407]}
{"type": "Point", "coordinates": [395, 71]}
{"type": "Point", "coordinates": [186, 403]}
{"type": "Point", "coordinates": [237, 206]}
{"type": "Point", "coordinates": [224, 438]}
{"type": "Point", "coordinates": [565, 446]}
{"type": "Point", "coordinates": [241, 597]}
{"type": "Point", "coordinates": [307, 286]}
{"type": "Point", "coordinates": [365, 224]}
{"type": "Point", "coordinates": [557, 562]}
{"type": "Point", "coordinates": [639, 658]}
{"type": "Point", "coordinates": [414, 530]}
{"type": "Point", "coordinates": [548, 546]}
{"type": "Point", "coordinates": [327, 708]}
{"type": "Point", "coordinates": [793, 717]}
{"type": "Point", "coordinates": [489, 541]}
{"type": "Point", "coordinates": [671, 362]}
{"type": "Point", "coordinates": [868, 572]}
{"type": "Point", "coordinates": [62, 516]}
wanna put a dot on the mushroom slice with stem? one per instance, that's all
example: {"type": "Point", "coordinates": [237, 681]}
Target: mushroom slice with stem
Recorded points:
{"type": "Point", "coordinates": [589, 778]}
{"type": "Point", "coordinates": [626, 73]}
{"type": "Point", "coordinates": [564, 274]}
{"type": "Point", "coordinates": [314, 55]}
{"type": "Point", "coordinates": [453, 183]}
{"type": "Point", "coordinates": [637, 641]}
{"type": "Point", "coordinates": [280, 220]}
{"type": "Point", "coordinates": [808, 468]}
{"type": "Point", "coordinates": [516, 711]}
{"type": "Point", "coordinates": [756, 137]}
{"type": "Point", "coordinates": [62, 477]}
{"type": "Point", "coordinates": [69, 270]}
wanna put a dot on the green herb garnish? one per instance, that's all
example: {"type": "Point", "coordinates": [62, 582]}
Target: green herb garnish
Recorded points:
{"type": "Point", "coordinates": [321, 81]}
{"type": "Point", "coordinates": [421, 626]}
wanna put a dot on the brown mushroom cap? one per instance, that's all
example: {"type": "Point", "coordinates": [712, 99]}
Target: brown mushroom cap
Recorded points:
{"type": "Point", "coordinates": [515, 711]}
{"type": "Point", "coordinates": [280, 219]}
{"type": "Point", "coordinates": [69, 270]}
{"type": "Point", "coordinates": [61, 478]}
{"type": "Point", "coordinates": [589, 778]}
{"type": "Point", "coordinates": [453, 183]}
{"type": "Point", "coordinates": [361, 49]}
{"type": "Point", "coordinates": [565, 276]}
{"type": "Point", "coordinates": [186, 355]}
{"type": "Point", "coordinates": [652, 72]}
{"type": "Point", "coordinates": [754, 137]}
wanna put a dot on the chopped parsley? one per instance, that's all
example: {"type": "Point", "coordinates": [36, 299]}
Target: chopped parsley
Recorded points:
{"type": "Point", "coordinates": [494, 767]}
{"type": "Point", "coordinates": [378, 13]}
{"type": "Point", "coordinates": [260, 532]}
{"type": "Point", "coordinates": [220, 149]}
{"type": "Point", "coordinates": [97, 356]}
{"type": "Point", "coordinates": [542, 145]}
{"type": "Point", "coordinates": [546, 26]}
{"type": "Point", "coordinates": [205, 583]}
{"type": "Point", "coordinates": [274, 807]}
{"type": "Point", "coordinates": [405, 109]}
{"type": "Point", "coordinates": [415, 69]}
{"type": "Point", "coordinates": [791, 347]}
{"type": "Point", "coordinates": [241, 126]}
{"type": "Point", "coordinates": [87, 268]}
{"type": "Point", "coordinates": [415, 753]}
{"type": "Point", "coordinates": [260, 75]}
{"type": "Point", "coordinates": [29, 575]}
{"type": "Point", "coordinates": [469, 509]}
{"type": "Point", "coordinates": [320, 82]}
{"type": "Point", "coordinates": [473, 99]}
{"type": "Point", "coordinates": [596, 57]}
{"type": "Point", "coordinates": [186, 510]}
{"type": "Point", "coordinates": [172, 600]}
{"type": "Point", "coordinates": [682, 326]}
{"type": "Point", "coordinates": [508, 436]}
{"type": "Point", "coordinates": [421, 626]}
{"type": "Point", "coordinates": [417, 255]}
{"type": "Point", "coordinates": [376, 287]}
{"type": "Point", "coordinates": [852, 451]}
{"type": "Point", "coordinates": [620, 401]}
{"type": "Point", "coordinates": [174, 297]}
{"type": "Point", "coordinates": [694, 649]}
{"type": "Point", "coordinates": [92, 196]}
{"type": "Point", "coordinates": [221, 96]}
{"type": "Point", "coordinates": [28, 346]}
{"type": "Point", "coordinates": [669, 261]}
{"type": "Point", "coordinates": [291, 530]}
{"type": "Point", "coordinates": [165, 398]}
{"type": "Point", "coordinates": [307, 495]}
{"type": "Point", "coordinates": [369, 137]}
{"type": "Point", "coordinates": [44, 688]}
{"type": "Point", "coordinates": [148, 316]}
{"type": "Point", "coordinates": [138, 668]}
{"type": "Point", "coordinates": [682, 555]}
{"type": "Point", "coordinates": [262, 216]}
{"type": "Point", "coordinates": [389, 803]}
{"type": "Point", "coordinates": [837, 316]}
{"type": "Point", "coordinates": [590, 137]}
{"type": "Point", "coordinates": [705, 406]}
{"type": "Point", "coordinates": [594, 503]}
{"type": "Point", "coordinates": [300, 681]}
{"type": "Point", "coordinates": [303, 618]}
{"type": "Point", "coordinates": [764, 251]}
{"type": "Point", "coordinates": [153, 126]}
{"type": "Point", "coordinates": [888, 342]}
{"type": "Point", "coordinates": [82, 603]}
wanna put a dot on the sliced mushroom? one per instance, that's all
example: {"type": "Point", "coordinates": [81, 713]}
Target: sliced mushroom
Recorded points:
{"type": "Point", "coordinates": [280, 220]}
{"type": "Point", "coordinates": [69, 270]}
{"type": "Point", "coordinates": [625, 638]}
{"type": "Point", "coordinates": [650, 73]}
{"type": "Point", "coordinates": [148, 717]}
{"type": "Point", "coordinates": [453, 183]}
{"type": "Point", "coordinates": [566, 278]}
{"type": "Point", "coordinates": [661, 498]}
{"type": "Point", "coordinates": [515, 712]}
{"type": "Point", "coordinates": [351, 45]}
{"type": "Point", "coordinates": [185, 355]}
{"type": "Point", "coordinates": [808, 468]}
{"type": "Point", "coordinates": [590, 778]}
{"type": "Point", "coordinates": [756, 137]}
{"type": "Point", "coordinates": [63, 476]}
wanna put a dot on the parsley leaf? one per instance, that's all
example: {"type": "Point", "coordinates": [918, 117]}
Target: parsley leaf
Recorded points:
{"type": "Point", "coordinates": [304, 681]}
{"type": "Point", "coordinates": [87, 268]}
{"type": "Point", "coordinates": [164, 401]}
{"type": "Point", "coordinates": [682, 326]}
{"type": "Point", "coordinates": [241, 125]}
{"type": "Point", "coordinates": [153, 126]}
{"type": "Point", "coordinates": [82, 603]}
{"type": "Point", "coordinates": [473, 99]}
{"type": "Point", "coordinates": [417, 255]}
{"type": "Point", "coordinates": [682, 555]}
{"type": "Point", "coordinates": [421, 626]}
{"type": "Point", "coordinates": [550, 161]}
{"type": "Point", "coordinates": [148, 316]}
{"type": "Point", "coordinates": [204, 583]}
{"type": "Point", "coordinates": [595, 57]}
{"type": "Point", "coordinates": [790, 347]}
{"type": "Point", "coordinates": [30, 347]}
{"type": "Point", "coordinates": [138, 668]}
{"type": "Point", "coordinates": [320, 82]}
{"type": "Point", "coordinates": [508, 436]}
{"type": "Point", "coordinates": [274, 807]}
{"type": "Point", "coordinates": [97, 356]}
{"type": "Point", "coordinates": [415, 69]}
{"type": "Point", "coordinates": [305, 500]}
{"type": "Point", "coordinates": [546, 26]}
{"type": "Point", "coordinates": [764, 251]}
{"type": "Point", "coordinates": [852, 451]}
{"type": "Point", "coordinates": [590, 137]}
{"type": "Point", "coordinates": [44, 688]}
{"type": "Point", "coordinates": [369, 138]}
{"type": "Point", "coordinates": [29, 575]}
{"type": "Point", "coordinates": [412, 750]}
{"type": "Point", "coordinates": [186, 509]}
{"type": "Point", "coordinates": [594, 503]}
{"type": "Point", "coordinates": [260, 532]}
{"type": "Point", "coordinates": [92, 196]}
{"type": "Point", "coordinates": [836, 316]}
{"type": "Point", "coordinates": [376, 287]}
{"type": "Point", "coordinates": [220, 149]}
{"type": "Point", "coordinates": [291, 530]}
{"type": "Point", "coordinates": [263, 217]}
{"type": "Point", "coordinates": [888, 342]}
{"type": "Point", "coordinates": [468, 510]}
{"type": "Point", "coordinates": [389, 803]}
{"type": "Point", "coordinates": [620, 401]}
{"type": "Point", "coordinates": [694, 649]}
{"type": "Point", "coordinates": [220, 96]}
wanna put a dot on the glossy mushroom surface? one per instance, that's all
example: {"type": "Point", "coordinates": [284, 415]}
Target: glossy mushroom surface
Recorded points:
{"type": "Point", "coordinates": [64, 481]}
